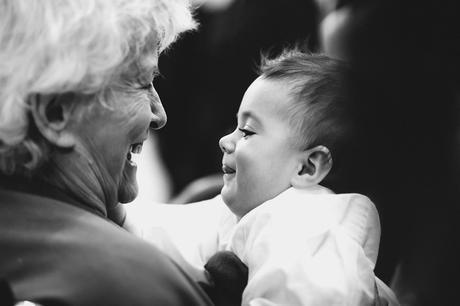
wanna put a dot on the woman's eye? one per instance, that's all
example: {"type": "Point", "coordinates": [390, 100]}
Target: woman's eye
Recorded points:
{"type": "Point", "coordinates": [147, 87]}
{"type": "Point", "coordinates": [246, 133]}
{"type": "Point", "coordinates": [150, 85]}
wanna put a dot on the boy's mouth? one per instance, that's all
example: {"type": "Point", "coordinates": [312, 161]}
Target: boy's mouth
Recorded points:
{"type": "Point", "coordinates": [227, 170]}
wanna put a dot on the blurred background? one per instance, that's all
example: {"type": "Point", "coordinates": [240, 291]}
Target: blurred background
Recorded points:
{"type": "Point", "coordinates": [405, 56]}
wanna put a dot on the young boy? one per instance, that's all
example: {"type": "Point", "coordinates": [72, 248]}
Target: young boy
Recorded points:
{"type": "Point", "coordinates": [302, 243]}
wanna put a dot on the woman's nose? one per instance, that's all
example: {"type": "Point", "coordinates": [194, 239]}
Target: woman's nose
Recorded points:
{"type": "Point", "coordinates": [226, 144]}
{"type": "Point", "coordinates": [158, 112]}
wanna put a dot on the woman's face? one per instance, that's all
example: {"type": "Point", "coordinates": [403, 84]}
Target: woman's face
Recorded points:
{"type": "Point", "coordinates": [111, 134]}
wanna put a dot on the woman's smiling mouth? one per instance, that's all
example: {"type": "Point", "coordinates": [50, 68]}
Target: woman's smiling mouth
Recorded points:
{"type": "Point", "coordinates": [135, 148]}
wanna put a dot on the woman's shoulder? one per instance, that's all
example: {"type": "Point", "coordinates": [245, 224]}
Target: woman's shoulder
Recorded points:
{"type": "Point", "coordinates": [80, 258]}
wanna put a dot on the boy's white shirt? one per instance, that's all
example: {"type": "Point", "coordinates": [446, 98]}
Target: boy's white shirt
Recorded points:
{"type": "Point", "coordinates": [304, 247]}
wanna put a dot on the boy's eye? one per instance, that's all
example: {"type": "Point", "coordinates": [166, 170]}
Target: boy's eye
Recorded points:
{"type": "Point", "coordinates": [246, 133]}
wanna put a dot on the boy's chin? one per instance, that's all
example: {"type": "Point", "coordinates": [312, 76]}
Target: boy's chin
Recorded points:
{"type": "Point", "coordinates": [232, 204]}
{"type": "Point", "coordinates": [227, 196]}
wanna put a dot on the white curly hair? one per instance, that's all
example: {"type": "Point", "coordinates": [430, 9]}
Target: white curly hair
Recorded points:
{"type": "Point", "coordinates": [59, 46]}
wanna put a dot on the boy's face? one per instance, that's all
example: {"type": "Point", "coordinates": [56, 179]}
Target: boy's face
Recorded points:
{"type": "Point", "coordinates": [260, 156]}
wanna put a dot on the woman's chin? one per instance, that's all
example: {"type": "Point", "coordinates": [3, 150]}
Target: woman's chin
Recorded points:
{"type": "Point", "coordinates": [128, 189]}
{"type": "Point", "coordinates": [127, 193]}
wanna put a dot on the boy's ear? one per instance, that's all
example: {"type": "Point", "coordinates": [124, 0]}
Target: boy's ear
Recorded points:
{"type": "Point", "coordinates": [52, 114]}
{"type": "Point", "coordinates": [314, 164]}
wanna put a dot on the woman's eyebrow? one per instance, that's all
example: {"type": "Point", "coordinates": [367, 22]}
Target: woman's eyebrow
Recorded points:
{"type": "Point", "coordinates": [147, 75]}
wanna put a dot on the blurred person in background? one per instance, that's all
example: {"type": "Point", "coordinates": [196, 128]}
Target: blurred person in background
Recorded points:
{"type": "Point", "coordinates": [406, 59]}
{"type": "Point", "coordinates": [76, 102]}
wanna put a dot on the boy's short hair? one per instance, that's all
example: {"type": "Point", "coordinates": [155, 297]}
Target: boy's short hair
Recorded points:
{"type": "Point", "coordinates": [321, 112]}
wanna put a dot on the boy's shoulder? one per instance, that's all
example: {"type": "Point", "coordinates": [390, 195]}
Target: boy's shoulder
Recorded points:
{"type": "Point", "coordinates": [317, 203]}
{"type": "Point", "coordinates": [313, 213]}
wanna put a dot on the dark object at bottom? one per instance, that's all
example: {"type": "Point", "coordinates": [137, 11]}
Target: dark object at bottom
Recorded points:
{"type": "Point", "coordinates": [6, 295]}
{"type": "Point", "coordinates": [228, 276]}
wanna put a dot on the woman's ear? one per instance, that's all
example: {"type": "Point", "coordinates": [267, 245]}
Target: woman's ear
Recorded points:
{"type": "Point", "coordinates": [51, 114]}
{"type": "Point", "coordinates": [314, 164]}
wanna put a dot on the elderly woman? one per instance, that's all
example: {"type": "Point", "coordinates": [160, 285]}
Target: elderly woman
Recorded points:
{"type": "Point", "coordinates": [76, 101]}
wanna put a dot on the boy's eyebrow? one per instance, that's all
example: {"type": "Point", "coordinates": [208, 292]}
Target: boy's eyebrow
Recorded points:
{"type": "Point", "coordinates": [248, 114]}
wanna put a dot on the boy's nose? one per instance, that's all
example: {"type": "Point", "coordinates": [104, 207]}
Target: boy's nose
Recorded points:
{"type": "Point", "coordinates": [226, 145]}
